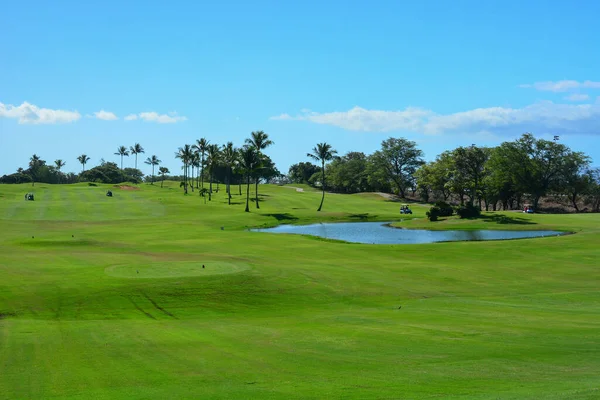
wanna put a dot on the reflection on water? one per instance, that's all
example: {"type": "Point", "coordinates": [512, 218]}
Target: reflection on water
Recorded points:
{"type": "Point", "coordinates": [379, 233]}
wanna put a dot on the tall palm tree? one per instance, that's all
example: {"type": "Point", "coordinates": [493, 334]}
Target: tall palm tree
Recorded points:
{"type": "Point", "coordinates": [35, 162]}
{"type": "Point", "coordinates": [322, 152]}
{"type": "Point", "coordinates": [201, 146]}
{"type": "Point", "coordinates": [83, 159]}
{"type": "Point", "coordinates": [229, 157]}
{"type": "Point", "coordinates": [122, 151]}
{"type": "Point", "coordinates": [260, 141]}
{"type": "Point", "coordinates": [212, 161]}
{"type": "Point", "coordinates": [136, 149]}
{"type": "Point", "coordinates": [59, 164]}
{"type": "Point", "coordinates": [194, 163]}
{"type": "Point", "coordinates": [163, 171]}
{"type": "Point", "coordinates": [154, 161]}
{"type": "Point", "coordinates": [185, 154]}
{"type": "Point", "coordinates": [249, 161]}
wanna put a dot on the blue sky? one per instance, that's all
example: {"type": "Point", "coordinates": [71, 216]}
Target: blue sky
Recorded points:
{"type": "Point", "coordinates": [81, 77]}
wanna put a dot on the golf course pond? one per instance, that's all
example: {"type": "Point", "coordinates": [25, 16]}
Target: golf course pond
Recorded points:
{"type": "Point", "coordinates": [382, 233]}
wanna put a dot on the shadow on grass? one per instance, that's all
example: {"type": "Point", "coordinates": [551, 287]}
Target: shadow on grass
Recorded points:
{"type": "Point", "coordinates": [282, 217]}
{"type": "Point", "coordinates": [363, 216]}
{"type": "Point", "coordinates": [505, 219]}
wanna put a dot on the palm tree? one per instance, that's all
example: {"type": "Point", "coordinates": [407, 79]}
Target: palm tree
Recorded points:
{"type": "Point", "coordinates": [122, 151]}
{"type": "Point", "coordinates": [35, 162]}
{"type": "Point", "coordinates": [185, 154]}
{"type": "Point", "coordinates": [152, 161]}
{"type": "Point", "coordinates": [212, 162]}
{"type": "Point", "coordinates": [322, 152]}
{"type": "Point", "coordinates": [249, 160]}
{"type": "Point", "coordinates": [195, 163]}
{"type": "Point", "coordinates": [260, 141]}
{"type": "Point", "coordinates": [83, 159]}
{"type": "Point", "coordinates": [229, 157]}
{"type": "Point", "coordinates": [163, 171]}
{"type": "Point", "coordinates": [201, 146]}
{"type": "Point", "coordinates": [136, 149]}
{"type": "Point", "coordinates": [59, 164]}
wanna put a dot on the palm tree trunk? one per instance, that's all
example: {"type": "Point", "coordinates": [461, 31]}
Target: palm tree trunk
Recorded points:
{"type": "Point", "coordinates": [248, 193]}
{"type": "Point", "coordinates": [256, 191]}
{"type": "Point", "coordinates": [192, 185]}
{"type": "Point", "coordinates": [152, 182]}
{"type": "Point", "coordinates": [202, 171]}
{"type": "Point", "coordinates": [135, 160]}
{"type": "Point", "coordinates": [121, 162]}
{"type": "Point", "coordinates": [322, 186]}
{"type": "Point", "coordinates": [162, 181]}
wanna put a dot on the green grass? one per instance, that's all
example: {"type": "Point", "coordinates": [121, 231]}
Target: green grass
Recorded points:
{"type": "Point", "coordinates": [105, 298]}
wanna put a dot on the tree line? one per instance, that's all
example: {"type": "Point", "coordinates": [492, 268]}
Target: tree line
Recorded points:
{"type": "Point", "coordinates": [501, 177]}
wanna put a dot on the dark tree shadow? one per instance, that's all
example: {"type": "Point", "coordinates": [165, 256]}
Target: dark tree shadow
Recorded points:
{"type": "Point", "coordinates": [282, 217]}
{"type": "Point", "coordinates": [506, 219]}
{"type": "Point", "coordinates": [361, 216]}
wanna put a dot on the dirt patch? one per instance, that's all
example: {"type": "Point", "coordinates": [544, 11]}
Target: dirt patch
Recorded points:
{"type": "Point", "coordinates": [127, 187]}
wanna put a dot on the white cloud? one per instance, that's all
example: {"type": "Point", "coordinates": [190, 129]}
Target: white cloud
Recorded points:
{"type": "Point", "coordinates": [578, 97]}
{"type": "Point", "coordinates": [105, 115]}
{"type": "Point", "coordinates": [152, 116]}
{"type": "Point", "coordinates": [562, 86]}
{"type": "Point", "coordinates": [539, 117]}
{"type": "Point", "coordinates": [28, 113]}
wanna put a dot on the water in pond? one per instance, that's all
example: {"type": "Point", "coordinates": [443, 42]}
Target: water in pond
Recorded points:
{"type": "Point", "coordinates": [380, 233]}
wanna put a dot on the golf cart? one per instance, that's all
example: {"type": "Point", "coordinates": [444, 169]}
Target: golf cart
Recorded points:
{"type": "Point", "coordinates": [528, 209]}
{"type": "Point", "coordinates": [404, 209]}
{"type": "Point", "coordinates": [109, 193]}
{"type": "Point", "coordinates": [29, 196]}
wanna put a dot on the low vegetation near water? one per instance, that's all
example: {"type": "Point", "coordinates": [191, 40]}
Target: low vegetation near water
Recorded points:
{"type": "Point", "coordinates": [152, 294]}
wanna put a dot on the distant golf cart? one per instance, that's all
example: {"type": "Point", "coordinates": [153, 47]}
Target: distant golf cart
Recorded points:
{"type": "Point", "coordinates": [109, 193]}
{"type": "Point", "coordinates": [29, 197]}
{"type": "Point", "coordinates": [404, 209]}
{"type": "Point", "coordinates": [528, 209]}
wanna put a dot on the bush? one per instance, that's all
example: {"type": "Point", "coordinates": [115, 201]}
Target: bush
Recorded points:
{"type": "Point", "coordinates": [468, 211]}
{"type": "Point", "coordinates": [433, 213]}
{"type": "Point", "coordinates": [92, 184]}
{"type": "Point", "coordinates": [445, 208]}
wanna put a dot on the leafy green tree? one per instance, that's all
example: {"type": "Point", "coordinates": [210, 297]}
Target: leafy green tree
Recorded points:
{"type": "Point", "coordinates": [201, 146]}
{"type": "Point", "coordinates": [348, 174]}
{"type": "Point", "coordinates": [322, 152]}
{"type": "Point", "coordinates": [153, 161]}
{"type": "Point", "coordinates": [122, 151]}
{"type": "Point", "coordinates": [592, 193]}
{"type": "Point", "coordinates": [260, 141]}
{"type": "Point", "coordinates": [301, 172]}
{"type": "Point", "coordinates": [469, 168]}
{"type": "Point", "coordinates": [135, 150]}
{"type": "Point", "coordinates": [575, 178]}
{"type": "Point", "coordinates": [400, 158]}
{"type": "Point", "coordinates": [249, 161]}
{"type": "Point", "coordinates": [83, 159]}
{"type": "Point", "coordinates": [163, 171]}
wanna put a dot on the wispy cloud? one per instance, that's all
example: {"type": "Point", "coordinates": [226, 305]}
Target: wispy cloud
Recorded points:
{"type": "Point", "coordinates": [539, 117]}
{"type": "Point", "coordinates": [105, 115]}
{"type": "Point", "coordinates": [28, 113]}
{"type": "Point", "coordinates": [562, 86]}
{"type": "Point", "coordinates": [152, 116]}
{"type": "Point", "coordinates": [578, 97]}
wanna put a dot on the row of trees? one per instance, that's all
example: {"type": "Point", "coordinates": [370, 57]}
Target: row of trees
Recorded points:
{"type": "Point", "coordinates": [228, 164]}
{"type": "Point", "coordinates": [527, 169]}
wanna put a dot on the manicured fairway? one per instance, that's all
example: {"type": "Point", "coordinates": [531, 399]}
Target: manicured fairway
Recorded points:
{"type": "Point", "coordinates": [106, 298]}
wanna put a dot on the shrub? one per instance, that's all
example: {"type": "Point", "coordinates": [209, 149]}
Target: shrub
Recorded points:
{"type": "Point", "coordinates": [445, 209]}
{"type": "Point", "coordinates": [92, 184]}
{"type": "Point", "coordinates": [468, 211]}
{"type": "Point", "coordinates": [433, 213]}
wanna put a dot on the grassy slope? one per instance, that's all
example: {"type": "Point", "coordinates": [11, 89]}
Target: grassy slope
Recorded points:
{"type": "Point", "coordinates": [303, 318]}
